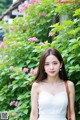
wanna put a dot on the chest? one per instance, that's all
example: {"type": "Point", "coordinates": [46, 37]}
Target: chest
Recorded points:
{"type": "Point", "coordinates": [55, 102]}
{"type": "Point", "coordinates": [52, 89]}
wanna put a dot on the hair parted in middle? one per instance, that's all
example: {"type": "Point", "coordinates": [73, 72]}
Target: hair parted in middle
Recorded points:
{"type": "Point", "coordinates": [41, 75]}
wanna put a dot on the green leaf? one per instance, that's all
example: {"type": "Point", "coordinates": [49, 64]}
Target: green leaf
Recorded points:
{"type": "Point", "coordinates": [25, 111]}
{"type": "Point", "coordinates": [78, 83]}
{"type": "Point", "coordinates": [15, 86]}
{"type": "Point", "coordinates": [77, 12]}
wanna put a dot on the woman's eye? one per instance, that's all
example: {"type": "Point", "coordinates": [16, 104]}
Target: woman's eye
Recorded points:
{"type": "Point", "coordinates": [46, 64]}
{"type": "Point", "coordinates": [55, 63]}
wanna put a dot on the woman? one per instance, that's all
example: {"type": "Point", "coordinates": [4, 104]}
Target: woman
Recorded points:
{"type": "Point", "coordinates": [48, 95]}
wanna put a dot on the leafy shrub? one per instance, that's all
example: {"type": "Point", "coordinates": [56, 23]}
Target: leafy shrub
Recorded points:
{"type": "Point", "coordinates": [23, 44]}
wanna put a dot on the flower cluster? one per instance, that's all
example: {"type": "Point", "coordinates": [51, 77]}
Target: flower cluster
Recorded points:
{"type": "Point", "coordinates": [33, 1]}
{"type": "Point", "coordinates": [14, 113]}
{"type": "Point", "coordinates": [11, 67]}
{"type": "Point", "coordinates": [23, 7]}
{"type": "Point", "coordinates": [11, 28]}
{"type": "Point", "coordinates": [41, 43]}
{"type": "Point", "coordinates": [33, 72]}
{"type": "Point", "coordinates": [4, 38]}
{"type": "Point", "coordinates": [25, 70]}
{"type": "Point", "coordinates": [14, 103]}
{"type": "Point", "coordinates": [33, 39]}
{"type": "Point", "coordinates": [42, 14]}
{"type": "Point", "coordinates": [50, 34]}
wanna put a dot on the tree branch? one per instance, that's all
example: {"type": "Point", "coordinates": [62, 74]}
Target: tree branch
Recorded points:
{"type": "Point", "coordinates": [12, 7]}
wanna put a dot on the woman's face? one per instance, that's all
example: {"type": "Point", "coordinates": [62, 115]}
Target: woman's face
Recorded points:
{"type": "Point", "coordinates": [52, 65]}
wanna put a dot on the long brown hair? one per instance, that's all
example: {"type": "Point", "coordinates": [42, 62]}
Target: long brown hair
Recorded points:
{"type": "Point", "coordinates": [41, 75]}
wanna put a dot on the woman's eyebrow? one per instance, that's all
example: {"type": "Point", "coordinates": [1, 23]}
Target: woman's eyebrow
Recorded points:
{"type": "Point", "coordinates": [48, 62]}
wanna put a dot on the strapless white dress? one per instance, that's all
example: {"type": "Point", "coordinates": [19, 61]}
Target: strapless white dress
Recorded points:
{"type": "Point", "coordinates": [52, 107]}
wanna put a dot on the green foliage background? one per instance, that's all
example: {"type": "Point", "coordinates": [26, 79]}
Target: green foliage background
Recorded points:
{"type": "Point", "coordinates": [17, 51]}
{"type": "Point", "coordinates": [4, 4]}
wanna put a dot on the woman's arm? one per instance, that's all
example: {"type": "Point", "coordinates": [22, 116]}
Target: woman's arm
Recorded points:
{"type": "Point", "coordinates": [72, 99]}
{"type": "Point", "coordinates": [34, 102]}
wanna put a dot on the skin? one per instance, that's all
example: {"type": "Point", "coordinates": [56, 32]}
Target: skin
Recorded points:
{"type": "Point", "coordinates": [50, 85]}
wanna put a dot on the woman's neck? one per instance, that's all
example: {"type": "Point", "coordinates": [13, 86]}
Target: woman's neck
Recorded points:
{"type": "Point", "coordinates": [53, 79]}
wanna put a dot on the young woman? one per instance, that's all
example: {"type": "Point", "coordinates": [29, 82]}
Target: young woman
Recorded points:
{"type": "Point", "coordinates": [48, 95]}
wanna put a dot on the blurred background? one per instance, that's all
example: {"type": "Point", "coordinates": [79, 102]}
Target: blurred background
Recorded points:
{"type": "Point", "coordinates": [4, 4]}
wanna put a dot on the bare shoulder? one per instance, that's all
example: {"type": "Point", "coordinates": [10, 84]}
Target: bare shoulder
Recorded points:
{"type": "Point", "coordinates": [35, 86]}
{"type": "Point", "coordinates": [71, 85]}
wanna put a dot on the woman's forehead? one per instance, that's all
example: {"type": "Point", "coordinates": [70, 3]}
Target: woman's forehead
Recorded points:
{"type": "Point", "coordinates": [51, 58]}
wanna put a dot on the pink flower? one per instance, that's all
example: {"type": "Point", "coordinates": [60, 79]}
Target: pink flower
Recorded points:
{"type": "Point", "coordinates": [23, 7]}
{"type": "Point", "coordinates": [50, 34]}
{"type": "Point", "coordinates": [33, 1]}
{"type": "Point", "coordinates": [11, 67]}
{"type": "Point", "coordinates": [14, 113]}
{"type": "Point", "coordinates": [37, 1]}
{"type": "Point", "coordinates": [42, 14]}
{"type": "Point", "coordinates": [11, 28]}
{"type": "Point", "coordinates": [33, 39]}
{"type": "Point", "coordinates": [20, 9]}
{"type": "Point", "coordinates": [25, 70]}
{"type": "Point", "coordinates": [41, 43]}
{"type": "Point", "coordinates": [33, 72]}
{"type": "Point", "coordinates": [12, 103]}
{"type": "Point", "coordinates": [16, 103]}
{"type": "Point", "coordinates": [59, 0]}
{"type": "Point", "coordinates": [4, 38]}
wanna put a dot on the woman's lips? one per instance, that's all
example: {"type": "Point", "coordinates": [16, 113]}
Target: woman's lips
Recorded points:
{"type": "Point", "coordinates": [51, 71]}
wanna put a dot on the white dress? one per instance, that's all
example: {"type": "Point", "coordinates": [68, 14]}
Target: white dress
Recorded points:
{"type": "Point", "coordinates": [52, 107]}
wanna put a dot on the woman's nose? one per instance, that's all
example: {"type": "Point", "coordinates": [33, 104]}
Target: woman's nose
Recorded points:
{"type": "Point", "coordinates": [51, 66]}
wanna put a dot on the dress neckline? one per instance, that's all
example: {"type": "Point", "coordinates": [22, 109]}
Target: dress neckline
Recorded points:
{"type": "Point", "coordinates": [51, 93]}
